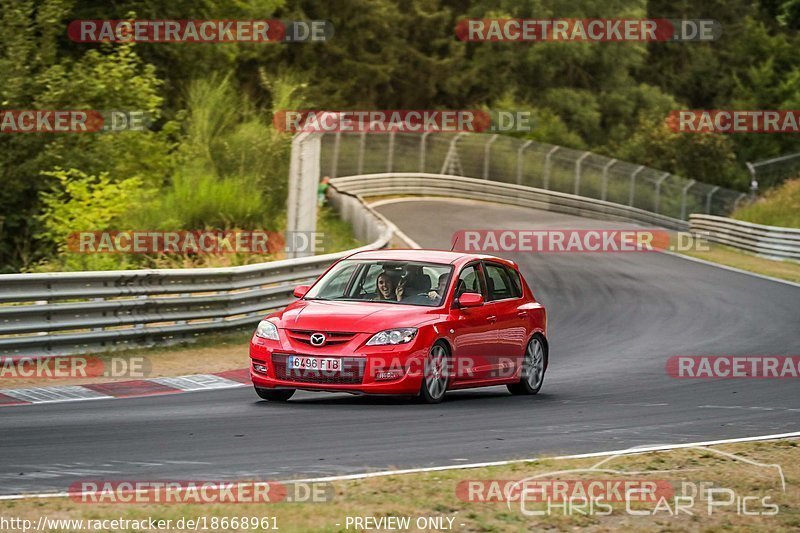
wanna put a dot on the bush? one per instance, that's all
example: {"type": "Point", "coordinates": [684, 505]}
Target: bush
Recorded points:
{"type": "Point", "coordinates": [778, 207]}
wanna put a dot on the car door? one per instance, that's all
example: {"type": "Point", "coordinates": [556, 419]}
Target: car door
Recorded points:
{"type": "Point", "coordinates": [504, 299]}
{"type": "Point", "coordinates": [474, 335]}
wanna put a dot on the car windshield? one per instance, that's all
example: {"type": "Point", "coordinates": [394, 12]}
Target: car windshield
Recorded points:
{"type": "Point", "coordinates": [388, 281]}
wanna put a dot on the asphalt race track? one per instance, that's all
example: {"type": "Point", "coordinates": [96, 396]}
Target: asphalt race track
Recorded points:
{"type": "Point", "coordinates": [614, 321]}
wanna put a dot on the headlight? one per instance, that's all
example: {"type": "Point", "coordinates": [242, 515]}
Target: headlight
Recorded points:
{"type": "Point", "coordinates": [393, 336]}
{"type": "Point", "coordinates": [267, 330]}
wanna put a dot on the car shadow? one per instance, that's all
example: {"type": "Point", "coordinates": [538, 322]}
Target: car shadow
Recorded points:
{"type": "Point", "coordinates": [458, 397]}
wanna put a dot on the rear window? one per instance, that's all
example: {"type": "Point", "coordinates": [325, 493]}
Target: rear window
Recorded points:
{"type": "Point", "coordinates": [501, 284]}
{"type": "Point", "coordinates": [516, 284]}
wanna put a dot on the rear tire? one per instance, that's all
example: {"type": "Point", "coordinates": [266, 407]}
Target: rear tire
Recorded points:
{"type": "Point", "coordinates": [274, 395]}
{"type": "Point", "coordinates": [436, 374]}
{"type": "Point", "coordinates": [534, 365]}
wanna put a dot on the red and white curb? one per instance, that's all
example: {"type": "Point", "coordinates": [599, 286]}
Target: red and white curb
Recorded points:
{"type": "Point", "coordinates": [126, 389]}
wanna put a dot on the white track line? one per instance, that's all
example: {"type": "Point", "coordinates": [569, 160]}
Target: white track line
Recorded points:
{"type": "Point", "coordinates": [384, 473]}
{"type": "Point", "coordinates": [411, 243]}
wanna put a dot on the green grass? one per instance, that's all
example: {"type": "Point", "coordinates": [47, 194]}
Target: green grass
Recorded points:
{"type": "Point", "coordinates": [338, 234]}
{"type": "Point", "coordinates": [779, 207]}
{"type": "Point", "coordinates": [435, 494]}
{"type": "Point", "coordinates": [732, 257]}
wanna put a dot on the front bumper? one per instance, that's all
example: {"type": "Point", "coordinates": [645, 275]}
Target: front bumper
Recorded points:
{"type": "Point", "coordinates": [366, 369]}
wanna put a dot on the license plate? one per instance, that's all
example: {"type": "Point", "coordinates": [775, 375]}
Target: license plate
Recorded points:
{"type": "Point", "coordinates": [301, 362]}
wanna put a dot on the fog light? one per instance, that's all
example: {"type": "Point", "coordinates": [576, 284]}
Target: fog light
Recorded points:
{"type": "Point", "coordinates": [261, 369]}
{"type": "Point", "coordinates": [387, 375]}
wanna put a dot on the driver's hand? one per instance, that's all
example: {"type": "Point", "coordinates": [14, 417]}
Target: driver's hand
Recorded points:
{"type": "Point", "coordinates": [433, 295]}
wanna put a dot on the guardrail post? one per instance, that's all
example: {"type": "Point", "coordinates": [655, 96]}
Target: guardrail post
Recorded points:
{"type": "Point", "coordinates": [139, 325]}
{"type": "Point", "coordinates": [304, 174]}
{"type": "Point", "coordinates": [753, 180]}
{"type": "Point", "coordinates": [48, 317]}
{"type": "Point", "coordinates": [738, 199]}
{"type": "Point", "coordinates": [519, 161]}
{"type": "Point", "coordinates": [708, 199]}
{"type": "Point", "coordinates": [452, 164]}
{"type": "Point", "coordinates": [546, 176]}
{"type": "Point", "coordinates": [684, 191]}
{"type": "Point", "coordinates": [335, 162]}
{"type": "Point", "coordinates": [578, 171]}
{"type": "Point", "coordinates": [361, 149]}
{"type": "Point", "coordinates": [486, 151]}
{"type": "Point", "coordinates": [633, 184]}
{"type": "Point", "coordinates": [390, 159]}
{"type": "Point", "coordinates": [664, 176]}
{"type": "Point", "coordinates": [422, 151]}
{"type": "Point", "coordinates": [604, 192]}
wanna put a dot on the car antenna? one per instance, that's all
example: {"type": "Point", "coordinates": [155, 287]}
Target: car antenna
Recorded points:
{"type": "Point", "coordinates": [455, 241]}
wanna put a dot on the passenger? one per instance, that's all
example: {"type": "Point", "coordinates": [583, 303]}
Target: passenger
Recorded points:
{"type": "Point", "coordinates": [438, 292]}
{"type": "Point", "coordinates": [386, 288]}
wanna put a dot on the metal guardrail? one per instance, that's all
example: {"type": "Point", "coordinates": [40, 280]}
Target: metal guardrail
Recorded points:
{"type": "Point", "coordinates": [62, 313]}
{"type": "Point", "coordinates": [71, 312]}
{"type": "Point", "coordinates": [506, 159]}
{"type": "Point", "coordinates": [409, 183]}
{"type": "Point", "coordinates": [770, 241]}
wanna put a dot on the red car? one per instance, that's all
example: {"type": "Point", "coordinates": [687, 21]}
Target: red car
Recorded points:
{"type": "Point", "coordinates": [406, 322]}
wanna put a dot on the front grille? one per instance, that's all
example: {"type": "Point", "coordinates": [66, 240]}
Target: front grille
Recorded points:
{"type": "Point", "coordinates": [331, 337]}
{"type": "Point", "coordinates": [352, 372]}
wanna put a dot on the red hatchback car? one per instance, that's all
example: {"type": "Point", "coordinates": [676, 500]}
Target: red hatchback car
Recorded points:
{"type": "Point", "coordinates": [406, 322]}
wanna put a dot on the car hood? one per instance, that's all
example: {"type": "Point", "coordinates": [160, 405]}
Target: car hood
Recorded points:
{"type": "Point", "coordinates": [352, 317]}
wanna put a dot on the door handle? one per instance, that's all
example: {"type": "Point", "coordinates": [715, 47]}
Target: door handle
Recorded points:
{"type": "Point", "coordinates": [522, 314]}
{"type": "Point", "coordinates": [491, 318]}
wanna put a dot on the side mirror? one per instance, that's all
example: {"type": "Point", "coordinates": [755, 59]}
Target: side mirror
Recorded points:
{"type": "Point", "coordinates": [301, 290]}
{"type": "Point", "coordinates": [470, 299]}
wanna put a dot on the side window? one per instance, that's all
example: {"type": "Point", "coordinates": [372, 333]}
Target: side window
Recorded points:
{"type": "Point", "coordinates": [516, 285]}
{"type": "Point", "coordinates": [499, 285]}
{"type": "Point", "coordinates": [468, 281]}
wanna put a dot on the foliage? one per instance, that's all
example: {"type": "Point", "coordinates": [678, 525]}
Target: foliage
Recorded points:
{"type": "Point", "coordinates": [83, 203]}
{"type": "Point", "coordinates": [779, 207]}
{"type": "Point", "coordinates": [212, 158]}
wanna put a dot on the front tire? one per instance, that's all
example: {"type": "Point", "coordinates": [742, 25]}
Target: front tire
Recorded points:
{"type": "Point", "coordinates": [436, 374]}
{"type": "Point", "coordinates": [274, 395]}
{"type": "Point", "coordinates": [534, 365]}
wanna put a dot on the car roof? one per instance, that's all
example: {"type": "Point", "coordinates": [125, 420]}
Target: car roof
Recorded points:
{"type": "Point", "coordinates": [429, 256]}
